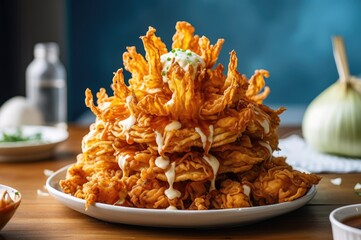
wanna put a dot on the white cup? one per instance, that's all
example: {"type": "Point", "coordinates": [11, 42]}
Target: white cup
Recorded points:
{"type": "Point", "coordinates": [341, 231]}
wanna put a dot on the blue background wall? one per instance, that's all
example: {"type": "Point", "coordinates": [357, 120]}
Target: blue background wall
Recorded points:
{"type": "Point", "coordinates": [289, 38]}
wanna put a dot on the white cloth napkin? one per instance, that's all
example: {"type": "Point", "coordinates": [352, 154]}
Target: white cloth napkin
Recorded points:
{"type": "Point", "coordinates": [301, 155]}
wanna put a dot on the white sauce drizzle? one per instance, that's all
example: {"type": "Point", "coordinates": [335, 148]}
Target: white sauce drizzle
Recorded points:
{"type": "Point", "coordinates": [127, 136]}
{"type": "Point", "coordinates": [214, 163]}
{"type": "Point", "coordinates": [171, 208]}
{"type": "Point", "coordinates": [204, 138]}
{"type": "Point", "coordinates": [171, 193]}
{"type": "Point", "coordinates": [266, 145]}
{"type": "Point", "coordinates": [122, 160]}
{"type": "Point", "coordinates": [246, 190]}
{"type": "Point", "coordinates": [159, 141]}
{"type": "Point", "coordinates": [174, 125]}
{"type": "Point", "coordinates": [170, 102]}
{"type": "Point", "coordinates": [86, 138]}
{"type": "Point", "coordinates": [264, 124]}
{"type": "Point", "coordinates": [128, 122]}
{"type": "Point", "coordinates": [153, 90]}
{"type": "Point", "coordinates": [162, 162]}
{"type": "Point", "coordinates": [184, 58]}
{"type": "Point", "coordinates": [202, 135]}
{"type": "Point", "coordinates": [104, 105]}
{"type": "Point", "coordinates": [120, 201]}
{"type": "Point", "coordinates": [128, 99]}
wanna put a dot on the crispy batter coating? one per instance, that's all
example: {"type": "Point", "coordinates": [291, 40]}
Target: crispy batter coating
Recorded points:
{"type": "Point", "coordinates": [231, 195]}
{"type": "Point", "coordinates": [182, 134]}
{"type": "Point", "coordinates": [278, 182]}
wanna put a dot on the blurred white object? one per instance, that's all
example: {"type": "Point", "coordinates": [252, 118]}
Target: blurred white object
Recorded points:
{"type": "Point", "coordinates": [340, 230]}
{"type": "Point", "coordinates": [18, 111]}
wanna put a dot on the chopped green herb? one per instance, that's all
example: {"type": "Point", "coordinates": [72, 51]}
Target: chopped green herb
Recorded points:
{"type": "Point", "coordinates": [168, 59]}
{"type": "Point", "coordinates": [163, 73]}
{"type": "Point", "coordinates": [18, 136]}
{"type": "Point", "coordinates": [189, 54]}
{"type": "Point", "coordinates": [173, 51]}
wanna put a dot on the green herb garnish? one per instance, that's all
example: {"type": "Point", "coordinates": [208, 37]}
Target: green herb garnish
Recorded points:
{"type": "Point", "coordinates": [18, 136]}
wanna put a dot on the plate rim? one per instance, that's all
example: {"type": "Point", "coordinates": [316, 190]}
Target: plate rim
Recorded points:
{"type": "Point", "coordinates": [220, 214]}
{"type": "Point", "coordinates": [24, 144]}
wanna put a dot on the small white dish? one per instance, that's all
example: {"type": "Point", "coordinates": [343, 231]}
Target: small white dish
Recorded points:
{"type": "Point", "coordinates": [341, 231]}
{"type": "Point", "coordinates": [172, 218]}
{"type": "Point", "coordinates": [7, 209]}
{"type": "Point", "coordinates": [32, 150]}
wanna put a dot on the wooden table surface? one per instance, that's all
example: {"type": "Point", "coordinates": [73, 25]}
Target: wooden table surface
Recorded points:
{"type": "Point", "coordinates": [42, 217]}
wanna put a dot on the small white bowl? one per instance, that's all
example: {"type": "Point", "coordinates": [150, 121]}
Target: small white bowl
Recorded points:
{"type": "Point", "coordinates": [8, 210]}
{"type": "Point", "coordinates": [340, 230]}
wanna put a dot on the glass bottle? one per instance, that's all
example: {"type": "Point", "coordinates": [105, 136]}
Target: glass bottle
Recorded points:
{"type": "Point", "coordinates": [46, 84]}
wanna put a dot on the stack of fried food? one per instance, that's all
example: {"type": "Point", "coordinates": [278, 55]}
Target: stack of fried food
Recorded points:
{"type": "Point", "coordinates": [183, 135]}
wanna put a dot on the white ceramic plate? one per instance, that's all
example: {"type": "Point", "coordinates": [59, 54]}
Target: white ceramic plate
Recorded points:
{"type": "Point", "coordinates": [32, 150]}
{"type": "Point", "coordinates": [172, 218]}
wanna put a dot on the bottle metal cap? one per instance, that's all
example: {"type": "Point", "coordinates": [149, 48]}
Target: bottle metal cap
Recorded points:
{"type": "Point", "coordinates": [48, 49]}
